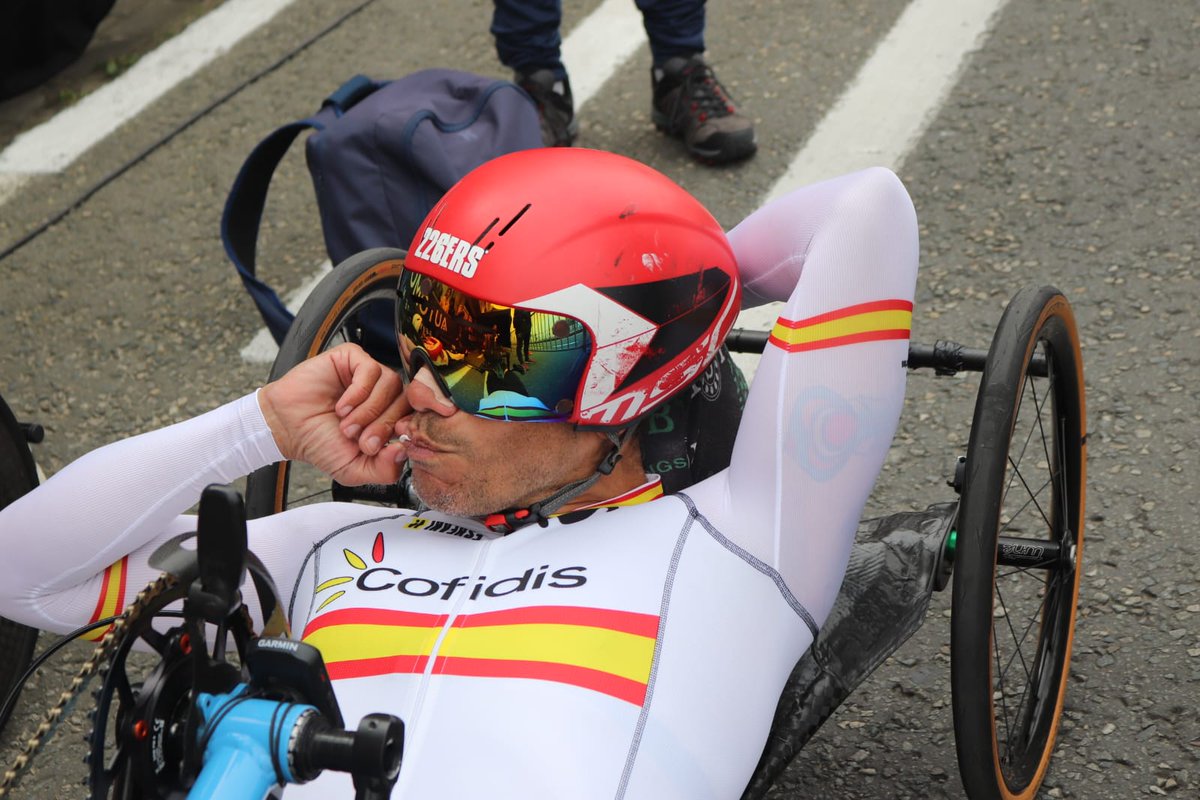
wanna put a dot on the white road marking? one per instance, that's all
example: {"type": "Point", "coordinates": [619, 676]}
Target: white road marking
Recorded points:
{"type": "Point", "coordinates": [886, 108]}
{"type": "Point", "coordinates": [56, 143]}
{"type": "Point", "coordinates": [600, 45]}
{"type": "Point", "coordinates": [10, 185]}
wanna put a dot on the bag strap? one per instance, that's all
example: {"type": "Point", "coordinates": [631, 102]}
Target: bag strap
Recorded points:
{"type": "Point", "coordinates": [242, 216]}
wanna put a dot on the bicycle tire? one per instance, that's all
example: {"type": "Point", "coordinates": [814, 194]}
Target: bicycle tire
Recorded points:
{"type": "Point", "coordinates": [1016, 559]}
{"type": "Point", "coordinates": [332, 314]}
{"type": "Point", "coordinates": [18, 475]}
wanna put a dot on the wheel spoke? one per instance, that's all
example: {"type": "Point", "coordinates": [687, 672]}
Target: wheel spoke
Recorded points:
{"type": "Point", "coordinates": [1003, 716]}
{"type": "Point", "coordinates": [1018, 640]}
{"type": "Point", "coordinates": [1039, 406]}
{"type": "Point", "coordinates": [1025, 445]}
{"type": "Point", "coordinates": [1002, 671]}
{"type": "Point", "coordinates": [1026, 569]}
{"type": "Point", "coordinates": [298, 500]}
{"type": "Point", "coordinates": [1015, 741]}
{"type": "Point", "coordinates": [1033, 498]}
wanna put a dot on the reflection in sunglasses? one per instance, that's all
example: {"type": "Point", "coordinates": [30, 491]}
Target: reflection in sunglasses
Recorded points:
{"type": "Point", "coordinates": [481, 354]}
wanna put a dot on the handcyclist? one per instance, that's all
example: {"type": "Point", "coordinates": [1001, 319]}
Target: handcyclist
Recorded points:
{"type": "Point", "coordinates": [549, 623]}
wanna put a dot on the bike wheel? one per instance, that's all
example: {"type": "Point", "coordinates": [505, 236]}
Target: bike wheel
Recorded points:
{"type": "Point", "coordinates": [18, 475]}
{"type": "Point", "coordinates": [1018, 551]}
{"type": "Point", "coordinates": [353, 303]}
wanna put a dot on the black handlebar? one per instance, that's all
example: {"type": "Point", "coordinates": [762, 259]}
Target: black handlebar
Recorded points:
{"type": "Point", "coordinates": [371, 755]}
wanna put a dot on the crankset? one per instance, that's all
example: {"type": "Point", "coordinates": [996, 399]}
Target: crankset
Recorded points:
{"type": "Point", "coordinates": [143, 742]}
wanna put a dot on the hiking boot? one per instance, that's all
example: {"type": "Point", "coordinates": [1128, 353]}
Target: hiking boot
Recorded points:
{"type": "Point", "coordinates": [556, 108]}
{"type": "Point", "coordinates": [692, 105]}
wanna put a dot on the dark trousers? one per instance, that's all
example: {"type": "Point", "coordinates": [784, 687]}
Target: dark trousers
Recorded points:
{"type": "Point", "coordinates": [528, 37]}
{"type": "Point", "coordinates": [522, 346]}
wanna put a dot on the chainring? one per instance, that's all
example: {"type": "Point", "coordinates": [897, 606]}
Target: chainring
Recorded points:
{"type": "Point", "coordinates": [150, 723]}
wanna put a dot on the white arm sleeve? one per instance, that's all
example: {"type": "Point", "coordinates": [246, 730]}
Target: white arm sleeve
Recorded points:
{"type": "Point", "coordinates": [827, 393]}
{"type": "Point", "coordinates": [65, 543]}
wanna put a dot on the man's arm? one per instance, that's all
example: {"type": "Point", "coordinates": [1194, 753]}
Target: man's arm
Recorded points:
{"type": "Point", "coordinates": [66, 543]}
{"type": "Point", "coordinates": [820, 416]}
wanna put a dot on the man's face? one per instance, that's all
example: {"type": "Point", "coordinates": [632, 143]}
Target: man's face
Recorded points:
{"type": "Point", "coordinates": [468, 466]}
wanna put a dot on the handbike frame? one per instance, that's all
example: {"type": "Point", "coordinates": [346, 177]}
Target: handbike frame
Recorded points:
{"type": "Point", "coordinates": [242, 736]}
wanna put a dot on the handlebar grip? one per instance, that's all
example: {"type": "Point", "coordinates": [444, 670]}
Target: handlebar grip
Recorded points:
{"type": "Point", "coordinates": [371, 754]}
{"type": "Point", "coordinates": [330, 749]}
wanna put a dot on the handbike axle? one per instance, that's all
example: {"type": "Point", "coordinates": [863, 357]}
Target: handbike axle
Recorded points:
{"type": "Point", "coordinates": [944, 357]}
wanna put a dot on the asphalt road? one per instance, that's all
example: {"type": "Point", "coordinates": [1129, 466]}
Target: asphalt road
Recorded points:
{"type": "Point", "coordinates": [1066, 154]}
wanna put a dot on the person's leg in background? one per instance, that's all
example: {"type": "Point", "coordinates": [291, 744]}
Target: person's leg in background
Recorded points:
{"type": "Point", "coordinates": [688, 100]}
{"type": "Point", "coordinates": [529, 41]}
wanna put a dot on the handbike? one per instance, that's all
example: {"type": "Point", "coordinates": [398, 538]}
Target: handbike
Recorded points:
{"type": "Point", "coordinates": [1011, 538]}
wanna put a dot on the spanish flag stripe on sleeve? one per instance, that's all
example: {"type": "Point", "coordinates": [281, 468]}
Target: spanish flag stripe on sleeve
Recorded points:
{"type": "Point", "coordinates": [850, 311]}
{"type": "Point", "coordinates": [867, 322]}
{"type": "Point", "coordinates": [111, 600]}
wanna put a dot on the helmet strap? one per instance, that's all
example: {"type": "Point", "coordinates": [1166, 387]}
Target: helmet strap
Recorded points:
{"type": "Point", "coordinates": [508, 521]}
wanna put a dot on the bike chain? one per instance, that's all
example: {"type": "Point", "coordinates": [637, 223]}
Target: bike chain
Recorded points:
{"type": "Point", "coordinates": [94, 666]}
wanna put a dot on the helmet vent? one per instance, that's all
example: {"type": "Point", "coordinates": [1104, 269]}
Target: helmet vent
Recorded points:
{"type": "Point", "coordinates": [513, 221]}
{"type": "Point", "coordinates": [484, 232]}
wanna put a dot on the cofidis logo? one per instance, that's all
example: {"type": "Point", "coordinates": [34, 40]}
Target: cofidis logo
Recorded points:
{"type": "Point", "coordinates": [371, 574]}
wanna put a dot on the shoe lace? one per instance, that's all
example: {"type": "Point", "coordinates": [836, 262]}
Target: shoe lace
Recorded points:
{"type": "Point", "coordinates": [705, 95]}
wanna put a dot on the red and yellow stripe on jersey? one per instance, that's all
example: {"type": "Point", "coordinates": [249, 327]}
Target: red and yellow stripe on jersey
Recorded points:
{"type": "Point", "coordinates": [866, 322]}
{"type": "Point", "coordinates": [598, 649]}
{"type": "Point", "coordinates": [112, 597]}
{"type": "Point", "coordinates": [650, 490]}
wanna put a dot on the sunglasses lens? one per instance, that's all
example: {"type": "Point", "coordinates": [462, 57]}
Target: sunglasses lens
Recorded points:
{"type": "Point", "coordinates": [493, 361]}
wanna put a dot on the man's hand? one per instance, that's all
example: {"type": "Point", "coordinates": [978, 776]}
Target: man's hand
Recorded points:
{"type": "Point", "coordinates": [337, 411]}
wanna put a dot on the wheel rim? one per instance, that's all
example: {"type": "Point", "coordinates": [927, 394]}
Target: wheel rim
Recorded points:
{"type": "Point", "coordinates": [1034, 593]}
{"type": "Point", "coordinates": [1019, 544]}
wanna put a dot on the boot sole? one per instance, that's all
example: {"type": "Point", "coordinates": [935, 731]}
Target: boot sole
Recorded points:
{"type": "Point", "coordinates": [735, 147]}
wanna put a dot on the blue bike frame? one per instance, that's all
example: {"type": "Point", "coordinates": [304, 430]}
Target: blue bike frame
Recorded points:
{"type": "Point", "coordinates": [246, 749]}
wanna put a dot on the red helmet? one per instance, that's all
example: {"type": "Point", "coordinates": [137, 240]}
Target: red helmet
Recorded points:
{"type": "Point", "coordinates": [631, 283]}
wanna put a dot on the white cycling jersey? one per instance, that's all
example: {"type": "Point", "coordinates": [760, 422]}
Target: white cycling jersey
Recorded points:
{"type": "Point", "coordinates": [631, 651]}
